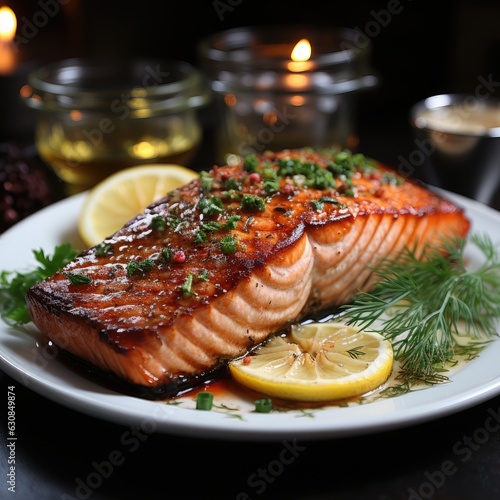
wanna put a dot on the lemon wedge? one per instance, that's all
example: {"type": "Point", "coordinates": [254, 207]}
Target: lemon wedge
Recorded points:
{"type": "Point", "coordinates": [317, 362]}
{"type": "Point", "coordinates": [125, 194]}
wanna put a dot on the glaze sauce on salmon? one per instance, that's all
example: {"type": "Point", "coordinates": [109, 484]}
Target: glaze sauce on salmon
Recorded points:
{"type": "Point", "coordinates": [216, 267]}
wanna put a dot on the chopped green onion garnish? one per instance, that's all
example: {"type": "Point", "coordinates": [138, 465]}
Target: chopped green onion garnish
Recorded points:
{"type": "Point", "coordinates": [166, 254]}
{"type": "Point", "coordinates": [204, 401]}
{"type": "Point", "coordinates": [232, 222]}
{"type": "Point", "coordinates": [207, 181]}
{"type": "Point", "coordinates": [253, 202]}
{"type": "Point", "coordinates": [228, 244]}
{"type": "Point", "coordinates": [210, 206]}
{"type": "Point", "coordinates": [264, 405]}
{"type": "Point", "coordinates": [186, 286]}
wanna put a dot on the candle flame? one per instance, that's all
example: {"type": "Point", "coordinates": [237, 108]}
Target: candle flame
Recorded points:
{"type": "Point", "coordinates": [8, 24]}
{"type": "Point", "coordinates": [302, 51]}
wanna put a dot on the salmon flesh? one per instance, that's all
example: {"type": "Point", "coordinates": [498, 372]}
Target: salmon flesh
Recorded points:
{"type": "Point", "coordinates": [219, 265]}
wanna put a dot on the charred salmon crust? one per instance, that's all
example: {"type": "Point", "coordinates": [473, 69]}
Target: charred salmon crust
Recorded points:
{"type": "Point", "coordinates": [217, 266]}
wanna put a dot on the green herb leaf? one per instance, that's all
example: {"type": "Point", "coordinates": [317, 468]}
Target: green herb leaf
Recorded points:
{"type": "Point", "coordinates": [253, 203]}
{"type": "Point", "coordinates": [15, 284]}
{"type": "Point", "coordinates": [166, 254]}
{"type": "Point", "coordinates": [158, 223]}
{"type": "Point", "coordinates": [142, 267]}
{"type": "Point", "coordinates": [228, 244]}
{"type": "Point", "coordinates": [211, 226]}
{"type": "Point", "coordinates": [203, 276]}
{"type": "Point", "coordinates": [104, 249]}
{"type": "Point", "coordinates": [207, 181]}
{"type": "Point", "coordinates": [78, 279]}
{"type": "Point", "coordinates": [251, 163]}
{"type": "Point", "coordinates": [210, 206]}
{"type": "Point", "coordinates": [200, 237]}
{"type": "Point", "coordinates": [186, 286]}
{"type": "Point", "coordinates": [232, 222]}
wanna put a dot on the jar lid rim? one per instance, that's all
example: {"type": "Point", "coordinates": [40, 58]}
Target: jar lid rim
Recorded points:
{"type": "Point", "coordinates": [61, 77]}
{"type": "Point", "coordinates": [87, 83]}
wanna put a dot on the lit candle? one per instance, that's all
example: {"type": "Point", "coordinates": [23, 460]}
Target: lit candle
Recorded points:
{"type": "Point", "coordinates": [8, 55]}
{"type": "Point", "coordinates": [16, 120]}
{"type": "Point", "coordinates": [285, 87]}
{"type": "Point", "coordinates": [300, 62]}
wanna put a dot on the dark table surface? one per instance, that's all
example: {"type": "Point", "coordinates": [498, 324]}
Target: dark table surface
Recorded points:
{"type": "Point", "coordinates": [63, 454]}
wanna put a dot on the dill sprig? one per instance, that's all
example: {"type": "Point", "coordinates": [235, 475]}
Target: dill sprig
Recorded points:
{"type": "Point", "coordinates": [426, 304]}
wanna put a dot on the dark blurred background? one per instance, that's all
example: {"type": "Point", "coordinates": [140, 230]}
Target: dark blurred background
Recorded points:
{"type": "Point", "coordinates": [426, 48]}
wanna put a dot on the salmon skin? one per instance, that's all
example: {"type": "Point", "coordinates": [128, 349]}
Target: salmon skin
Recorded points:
{"type": "Point", "coordinates": [221, 264]}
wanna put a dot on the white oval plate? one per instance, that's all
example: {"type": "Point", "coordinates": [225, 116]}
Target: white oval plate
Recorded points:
{"type": "Point", "coordinates": [40, 369]}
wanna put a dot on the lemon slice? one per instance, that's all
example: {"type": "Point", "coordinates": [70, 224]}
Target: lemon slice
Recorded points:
{"type": "Point", "coordinates": [317, 362]}
{"type": "Point", "coordinates": [125, 194]}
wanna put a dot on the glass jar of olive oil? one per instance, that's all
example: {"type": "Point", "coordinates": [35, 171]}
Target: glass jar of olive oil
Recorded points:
{"type": "Point", "coordinates": [95, 117]}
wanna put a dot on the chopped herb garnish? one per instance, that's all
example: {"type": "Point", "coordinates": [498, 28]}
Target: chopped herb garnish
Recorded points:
{"type": "Point", "coordinates": [251, 163]}
{"type": "Point", "coordinates": [78, 279]}
{"type": "Point", "coordinates": [142, 267]}
{"type": "Point", "coordinates": [173, 221]}
{"type": "Point", "coordinates": [264, 405]}
{"type": "Point", "coordinates": [200, 237]}
{"type": "Point", "coordinates": [269, 174]}
{"type": "Point", "coordinates": [313, 175]}
{"type": "Point", "coordinates": [207, 181]}
{"type": "Point", "coordinates": [228, 244]}
{"type": "Point", "coordinates": [203, 276]}
{"type": "Point", "coordinates": [327, 199]}
{"type": "Point", "coordinates": [186, 286]}
{"type": "Point", "coordinates": [158, 223]}
{"type": "Point", "coordinates": [166, 254]}
{"type": "Point", "coordinates": [104, 249]}
{"type": "Point", "coordinates": [232, 222]}
{"type": "Point", "coordinates": [392, 179]}
{"type": "Point", "coordinates": [204, 401]}
{"type": "Point", "coordinates": [210, 206]}
{"type": "Point", "coordinates": [344, 164]}
{"type": "Point", "coordinates": [232, 184]}
{"type": "Point", "coordinates": [211, 226]}
{"type": "Point", "coordinates": [317, 205]}
{"type": "Point", "coordinates": [271, 186]}
{"type": "Point", "coordinates": [253, 202]}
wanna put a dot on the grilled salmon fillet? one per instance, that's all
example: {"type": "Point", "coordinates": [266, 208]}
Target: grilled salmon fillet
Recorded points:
{"type": "Point", "coordinates": [219, 265]}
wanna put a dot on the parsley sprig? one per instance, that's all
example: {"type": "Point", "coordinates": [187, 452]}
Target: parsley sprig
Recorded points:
{"type": "Point", "coordinates": [425, 306]}
{"type": "Point", "coordinates": [15, 284]}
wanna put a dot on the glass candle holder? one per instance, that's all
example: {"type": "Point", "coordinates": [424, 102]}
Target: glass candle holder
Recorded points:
{"type": "Point", "coordinates": [95, 117]}
{"type": "Point", "coordinates": [280, 87]}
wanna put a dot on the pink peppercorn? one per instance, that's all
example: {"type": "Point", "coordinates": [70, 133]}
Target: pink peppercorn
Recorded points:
{"type": "Point", "coordinates": [179, 256]}
{"type": "Point", "coordinates": [254, 177]}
